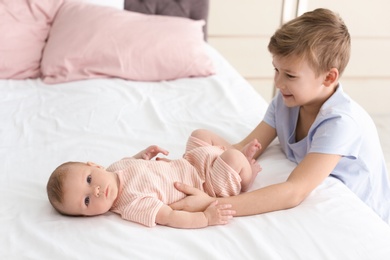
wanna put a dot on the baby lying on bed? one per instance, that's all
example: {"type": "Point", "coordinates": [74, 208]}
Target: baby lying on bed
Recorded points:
{"type": "Point", "coordinates": [140, 190]}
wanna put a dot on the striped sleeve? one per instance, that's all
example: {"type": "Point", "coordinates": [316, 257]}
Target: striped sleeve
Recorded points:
{"type": "Point", "coordinates": [143, 211]}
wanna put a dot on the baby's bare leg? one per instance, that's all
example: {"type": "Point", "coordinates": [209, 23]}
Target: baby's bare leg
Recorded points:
{"type": "Point", "coordinates": [241, 161]}
{"type": "Point", "coordinates": [211, 138]}
{"type": "Point", "coordinates": [247, 170]}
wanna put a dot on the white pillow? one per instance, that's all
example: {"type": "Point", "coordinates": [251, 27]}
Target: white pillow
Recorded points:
{"type": "Point", "coordinates": [120, 4]}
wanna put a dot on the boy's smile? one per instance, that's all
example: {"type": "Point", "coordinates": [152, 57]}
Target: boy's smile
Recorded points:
{"type": "Point", "coordinates": [89, 190]}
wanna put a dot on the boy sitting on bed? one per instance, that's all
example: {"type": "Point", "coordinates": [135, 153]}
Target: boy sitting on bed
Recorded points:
{"type": "Point", "coordinates": [140, 190]}
{"type": "Point", "coordinates": [319, 127]}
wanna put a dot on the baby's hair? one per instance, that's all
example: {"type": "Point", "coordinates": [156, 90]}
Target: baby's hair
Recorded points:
{"type": "Point", "coordinates": [320, 37]}
{"type": "Point", "coordinates": [54, 185]}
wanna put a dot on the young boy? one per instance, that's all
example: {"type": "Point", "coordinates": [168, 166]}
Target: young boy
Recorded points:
{"type": "Point", "coordinates": [318, 125]}
{"type": "Point", "coordinates": [140, 189]}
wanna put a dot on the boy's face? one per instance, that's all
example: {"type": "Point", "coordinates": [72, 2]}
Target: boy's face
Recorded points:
{"type": "Point", "coordinates": [298, 83]}
{"type": "Point", "coordinates": [89, 190]}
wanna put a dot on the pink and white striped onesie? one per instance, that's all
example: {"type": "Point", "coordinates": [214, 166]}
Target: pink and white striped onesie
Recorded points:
{"type": "Point", "coordinates": [146, 185]}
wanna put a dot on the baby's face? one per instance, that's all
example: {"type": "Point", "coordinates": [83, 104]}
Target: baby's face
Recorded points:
{"type": "Point", "coordinates": [89, 190]}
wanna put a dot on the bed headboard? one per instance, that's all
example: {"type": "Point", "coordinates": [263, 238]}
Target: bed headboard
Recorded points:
{"type": "Point", "coordinates": [193, 9]}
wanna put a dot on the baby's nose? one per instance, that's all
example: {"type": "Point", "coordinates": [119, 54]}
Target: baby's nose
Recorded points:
{"type": "Point", "coordinates": [97, 191]}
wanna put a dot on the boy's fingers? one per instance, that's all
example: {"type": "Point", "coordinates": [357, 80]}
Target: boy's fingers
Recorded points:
{"type": "Point", "coordinates": [178, 205]}
{"type": "Point", "coordinates": [186, 189]}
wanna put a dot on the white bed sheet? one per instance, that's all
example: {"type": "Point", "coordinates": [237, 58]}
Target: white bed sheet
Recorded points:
{"type": "Point", "coordinates": [104, 120]}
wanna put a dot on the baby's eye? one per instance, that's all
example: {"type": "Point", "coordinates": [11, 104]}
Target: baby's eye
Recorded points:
{"type": "Point", "coordinates": [86, 201]}
{"type": "Point", "coordinates": [290, 76]}
{"type": "Point", "coordinates": [89, 179]}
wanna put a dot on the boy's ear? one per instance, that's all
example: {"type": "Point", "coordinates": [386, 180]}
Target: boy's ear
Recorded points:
{"type": "Point", "coordinates": [95, 165]}
{"type": "Point", "coordinates": [331, 77]}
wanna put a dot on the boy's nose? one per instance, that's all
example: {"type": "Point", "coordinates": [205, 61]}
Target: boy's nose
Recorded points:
{"type": "Point", "coordinates": [277, 83]}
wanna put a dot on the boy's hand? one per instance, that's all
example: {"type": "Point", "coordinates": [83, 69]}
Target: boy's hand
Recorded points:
{"type": "Point", "coordinates": [218, 214]}
{"type": "Point", "coordinates": [195, 201]}
{"type": "Point", "coordinates": [150, 152]}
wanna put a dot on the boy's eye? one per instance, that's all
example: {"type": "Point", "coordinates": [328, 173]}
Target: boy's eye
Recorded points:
{"type": "Point", "coordinates": [86, 201]}
{"type": "Point", "coordinates": [290, 76]}
{"type": "Point", "coordinates": [89, 179]}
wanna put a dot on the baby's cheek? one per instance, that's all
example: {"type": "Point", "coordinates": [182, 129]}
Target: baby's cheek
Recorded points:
{"type": "Point", "coordinates": [102, 208]}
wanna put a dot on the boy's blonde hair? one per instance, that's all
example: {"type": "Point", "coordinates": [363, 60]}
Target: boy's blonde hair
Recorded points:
{"type": "Point", "coordinates": [320, 37]}
{"type": "Point", "coordinates": [55, 183]}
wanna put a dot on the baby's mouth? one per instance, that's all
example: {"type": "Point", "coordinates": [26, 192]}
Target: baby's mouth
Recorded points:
{"type": "Point", "coordinates": [106, 192]}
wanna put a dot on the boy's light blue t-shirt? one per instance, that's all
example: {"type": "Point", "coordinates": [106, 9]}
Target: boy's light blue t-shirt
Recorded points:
{"type": "Point", "coordinates": [342, 127]}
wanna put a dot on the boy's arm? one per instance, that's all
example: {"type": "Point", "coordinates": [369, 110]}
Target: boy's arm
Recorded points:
{"type": "Point", "coordinates": [308, 174]}
{"type": "Point", "coordinates": [213, 215]}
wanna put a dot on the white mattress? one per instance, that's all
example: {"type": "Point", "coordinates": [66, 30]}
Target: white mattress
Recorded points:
{"type": "Point", "coordinates": [104, 120]}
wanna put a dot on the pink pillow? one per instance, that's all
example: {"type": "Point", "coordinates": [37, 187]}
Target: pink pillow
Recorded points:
{"type": "Point", "coordinates": [24, 27]}
{"type": "Point", "coordinates": [88, 41]}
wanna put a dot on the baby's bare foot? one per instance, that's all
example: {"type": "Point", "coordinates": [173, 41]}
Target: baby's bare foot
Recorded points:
{"type": "Point", "coordinates": [250, 149]}
{"type": "Point", "coordinates": [256, 168]}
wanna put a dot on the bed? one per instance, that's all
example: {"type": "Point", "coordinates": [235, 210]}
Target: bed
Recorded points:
{"type": "Point", "coordinates": [59, 109]}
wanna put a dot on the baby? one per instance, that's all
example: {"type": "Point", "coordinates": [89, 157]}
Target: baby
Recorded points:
{"type": "Point", "coordinates": [140, 190]}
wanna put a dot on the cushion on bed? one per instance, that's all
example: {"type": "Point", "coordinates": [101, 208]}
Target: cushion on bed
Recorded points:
{"type": "Point", "coordinates": [88, 41]}
{"type": "Point", "coordinates": [24, 28]}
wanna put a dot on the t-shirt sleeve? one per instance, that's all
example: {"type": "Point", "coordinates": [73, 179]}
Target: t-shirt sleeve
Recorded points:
{"type": "Point", "coordinates": [143, 210]}
{"type": "Point", "coordinates": [269, 116]}
{"type": "Point", "coordinates": [337, 135]}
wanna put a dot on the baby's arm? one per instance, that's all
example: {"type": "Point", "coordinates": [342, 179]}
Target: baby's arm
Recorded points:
{"type": "Point", "coordinates": [150, 152]}
{"type": "Point", "coordinates": [213, 215]}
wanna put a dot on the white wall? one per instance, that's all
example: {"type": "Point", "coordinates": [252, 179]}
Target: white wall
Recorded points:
{"type": "Point", "coordinates": [240, 30]}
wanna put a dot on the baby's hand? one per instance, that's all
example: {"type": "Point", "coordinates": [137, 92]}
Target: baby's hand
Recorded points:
{"type": "Point", "coordinates": [151, 152]}
{"type": "Point", "coordinates": [219, 214]}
